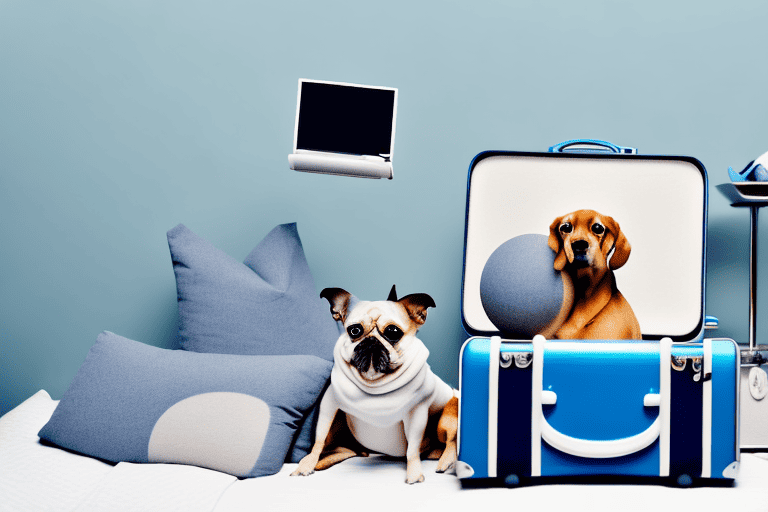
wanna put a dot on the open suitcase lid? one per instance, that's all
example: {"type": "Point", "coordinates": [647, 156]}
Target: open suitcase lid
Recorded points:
{"type": "Point", "coordinates": [660, 203]}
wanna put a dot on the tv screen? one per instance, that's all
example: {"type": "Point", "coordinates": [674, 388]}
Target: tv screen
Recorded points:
{"type": "Point", "coordinates": [345, 118]}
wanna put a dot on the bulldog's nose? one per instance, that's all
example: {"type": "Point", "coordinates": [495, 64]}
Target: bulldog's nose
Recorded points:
{"type": "Point", "coordinates": [580, 246]}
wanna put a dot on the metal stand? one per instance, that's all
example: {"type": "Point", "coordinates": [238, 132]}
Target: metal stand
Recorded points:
{"type": "Point", "coordinates": [753, 355]}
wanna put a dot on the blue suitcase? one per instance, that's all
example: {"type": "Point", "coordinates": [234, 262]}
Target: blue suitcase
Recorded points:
{"type": "Point", "coordinates": [664, 406]}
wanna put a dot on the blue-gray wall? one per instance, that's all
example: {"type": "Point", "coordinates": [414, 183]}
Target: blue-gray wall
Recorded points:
{"type": "Point", "coordinates": [119, 120]}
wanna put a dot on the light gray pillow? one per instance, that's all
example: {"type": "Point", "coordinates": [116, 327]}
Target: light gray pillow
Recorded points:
{"type": "Point", "coordinates": [138, 403]}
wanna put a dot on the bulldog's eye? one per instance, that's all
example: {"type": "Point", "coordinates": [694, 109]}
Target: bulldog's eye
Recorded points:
{"type": "Point", "coordinates": [598, 229]}
{"type": "Point", "coordinates": [355, 331]}
{"type": "Point", "coordinates": [566, 227]}
{"type": "Point", "coordinates": [392, 333]}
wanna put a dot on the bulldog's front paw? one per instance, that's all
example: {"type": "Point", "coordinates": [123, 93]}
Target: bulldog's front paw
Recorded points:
{"type": "Point", "coordinates": [413, 474]}
{"type": "Point", "coordinates": [303, 472]}
{"type": "Point", "coordinates": [306, 466]}
{"type": "Point", "coordinates": [415, 479]}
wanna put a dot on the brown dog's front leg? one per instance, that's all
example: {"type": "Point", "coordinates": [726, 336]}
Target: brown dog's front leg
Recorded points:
{"type": "Point", "coordinates": [326, 414]}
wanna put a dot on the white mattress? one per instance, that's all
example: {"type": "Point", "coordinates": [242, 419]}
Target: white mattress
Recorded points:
{"type": "Point", "coordinates": [37, 477]}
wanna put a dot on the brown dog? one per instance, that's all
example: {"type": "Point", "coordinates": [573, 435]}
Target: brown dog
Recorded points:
{"type": "Point", "coordinates": [583, 241]}
{"type": "Point", "coordinates": [383, 397]}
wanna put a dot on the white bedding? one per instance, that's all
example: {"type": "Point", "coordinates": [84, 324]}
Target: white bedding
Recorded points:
{"type": "Point", "coordinates": [37, 477]}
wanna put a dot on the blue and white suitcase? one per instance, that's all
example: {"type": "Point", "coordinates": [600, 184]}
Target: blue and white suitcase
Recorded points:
{"type": "Point", "coordinates": [664, 406]}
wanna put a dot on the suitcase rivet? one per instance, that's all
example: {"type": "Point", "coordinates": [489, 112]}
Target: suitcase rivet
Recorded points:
{"type": "Point", "coordinates": [684, 480]}
{"type": "Point", "coordinates": [505, 359]}
{"type": "Point", "coordinates": [512, 480]}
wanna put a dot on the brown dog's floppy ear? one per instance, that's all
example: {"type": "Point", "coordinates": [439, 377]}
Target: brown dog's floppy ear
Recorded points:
{"type": "Point", "coordinates": [392, 294]}
{"type": "Point", "coordinates": [621, 253]}
{"type": "Point", "coordinates": [556, 244]}
{"type": "Point", "coordinates": [621, 245]}
{"type": "Point", "coordinates": [339, 300]}
{"type": "Point", "coordinates": [416, 304]}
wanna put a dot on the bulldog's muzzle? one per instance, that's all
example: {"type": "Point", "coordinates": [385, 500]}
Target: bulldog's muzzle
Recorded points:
{"type": "Point", "coordinates": [371, 352]}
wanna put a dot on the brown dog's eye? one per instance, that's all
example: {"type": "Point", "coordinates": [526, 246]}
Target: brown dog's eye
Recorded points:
{"type": "Point", "coordinates": [392, 333]}
{"type": "Point", "coordinates": [355, 331]}
{"type": "Point", "coordinates": [598, 229]}
{"type": "Point", "coordinates": [566, 227]}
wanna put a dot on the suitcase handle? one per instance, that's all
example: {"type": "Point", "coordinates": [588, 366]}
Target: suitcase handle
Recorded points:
{"type": "Point", "coordinates": [599, 449]}
{"type": "Point", "coordinates": [591, 146]}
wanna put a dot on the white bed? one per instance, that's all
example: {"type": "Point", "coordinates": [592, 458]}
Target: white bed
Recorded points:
{"type": "Point", "coordinates": [35, 477]}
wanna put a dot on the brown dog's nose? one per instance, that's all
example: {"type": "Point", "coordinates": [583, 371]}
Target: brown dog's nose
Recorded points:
{"type": "Point", "coordinates": [580, 246]}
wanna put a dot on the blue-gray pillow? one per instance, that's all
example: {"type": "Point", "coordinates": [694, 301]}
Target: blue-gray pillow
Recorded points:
{"type": "Point", "coordinates": [138, 403]}
{"type": "Point", "coordinates": [266, 305]}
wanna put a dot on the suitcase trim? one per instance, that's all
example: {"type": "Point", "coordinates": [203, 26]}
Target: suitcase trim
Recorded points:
{"type": "Point", "coordinates": [734, 467]}
{"type": "Point", "coordinates": [706, 416]}
{"type": "Point", "coordinates": [493, 412]}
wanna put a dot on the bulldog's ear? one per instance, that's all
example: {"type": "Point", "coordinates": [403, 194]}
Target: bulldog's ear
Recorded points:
{"type": "Point", "coordinates": [392, 294]}
{"type": "Point", "coordinates": [340, 302]}
{"type": "Point", "coordinates": [416, 304]}
{"type": "Point", "coordinates": [556, 244]}
{"type": "Point", "coordinates": [617, 241]}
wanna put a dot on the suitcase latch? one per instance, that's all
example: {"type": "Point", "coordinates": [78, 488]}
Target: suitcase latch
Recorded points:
{"type": "Point", "coordinates": [521, 359]}
{"type": "Point", "coordinates": [679, 364]}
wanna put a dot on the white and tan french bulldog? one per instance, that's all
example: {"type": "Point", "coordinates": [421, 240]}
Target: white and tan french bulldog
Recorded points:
{"type": "Point", "coordinates": [383, 397]}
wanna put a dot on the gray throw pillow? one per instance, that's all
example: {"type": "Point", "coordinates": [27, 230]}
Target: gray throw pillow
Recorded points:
{"type": "Point", "coordinates": [138, 403]}
{"type": "Point", "coordinates": [267, 305]}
